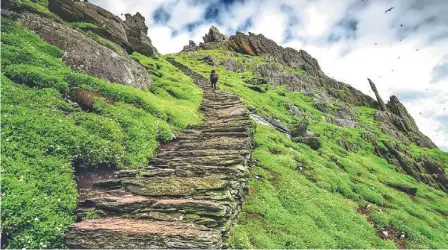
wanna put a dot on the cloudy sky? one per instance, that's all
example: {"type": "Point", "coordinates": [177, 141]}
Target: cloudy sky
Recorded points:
{"type": "Point", "coordinates": [404, 51]}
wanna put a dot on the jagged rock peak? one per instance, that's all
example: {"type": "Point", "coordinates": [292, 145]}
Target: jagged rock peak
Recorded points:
{"type": "Point", "coordinates": [399, 118]}
{"type": "Point", "coordinates": [214, 35]}
{"type": "Point", "coordinates": [253, 44]}
{"type": "Point", "coordinates": [381, 104]}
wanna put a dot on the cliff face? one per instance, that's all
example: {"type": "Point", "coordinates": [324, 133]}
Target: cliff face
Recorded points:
{"type": "Point", "coordinates": [108, 144]}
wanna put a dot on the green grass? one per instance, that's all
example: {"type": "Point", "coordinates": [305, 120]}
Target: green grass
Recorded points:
{"type": "Point", "coordinates": [44, 138]}
{"type": "Point", "coordinates": [317, 207]}
{"type": "Point", "coordinates": [39, 7]}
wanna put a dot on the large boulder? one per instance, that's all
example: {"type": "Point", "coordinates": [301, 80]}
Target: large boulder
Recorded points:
{"type": "Point", "coordinates": [131, 34]}
{"type": "Point", "coordinates": [83, 54]}
{"type": "Point", "coordinates": [270, 122]}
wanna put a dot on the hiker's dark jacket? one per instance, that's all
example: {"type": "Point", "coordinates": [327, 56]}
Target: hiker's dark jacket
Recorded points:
{"type": "Point", "coordinates": [214, 77]}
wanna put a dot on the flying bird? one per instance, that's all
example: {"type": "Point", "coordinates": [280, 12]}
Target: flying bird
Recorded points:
{"type": "Point", "coordinates": [416, 50]}
{"type": "Point", "coordinates": [390, 9]}
{"type": "Point", "coordinates": [401, 25]}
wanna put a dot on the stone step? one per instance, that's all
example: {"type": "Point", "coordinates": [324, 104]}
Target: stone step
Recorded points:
{"type": "Point", "coordinates": [219, 143]}
{"type": "Point", "coordinates": [123, 233]}
{"type": "Point", "coordinates": [213, 135]}
{"type": "Point", "coordinates": [224, 160]}
{"type": "Point", "coordinates": [174, 186]}
{"type": "Point", "coordinates": [169, 154]}
{"type": "Point", "coordinates": [111, 203]}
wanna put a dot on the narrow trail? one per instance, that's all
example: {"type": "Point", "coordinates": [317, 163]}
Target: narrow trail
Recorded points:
{"type": "Point", "coordinates": [190, 194]}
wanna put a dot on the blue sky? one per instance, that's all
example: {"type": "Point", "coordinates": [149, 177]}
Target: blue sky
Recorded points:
{"type": "Point", "coordinates": [405, 51]}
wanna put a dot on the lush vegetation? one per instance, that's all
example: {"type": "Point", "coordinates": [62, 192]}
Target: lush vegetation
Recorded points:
{"type": "Point", "coordinates": [44, 137]}
{"type": "Point", "coordinates": [298, 197]}
{"type": "Point", "coordinates": [329, 198]}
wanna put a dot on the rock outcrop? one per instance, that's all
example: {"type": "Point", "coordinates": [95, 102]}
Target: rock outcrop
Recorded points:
{"type": "Point", "coordinates": [422, 169]}
{"type": "Point", "coordinates": [189, 196]}
{"type": "Point", "coordinates": [381, 104]}
{"type": "Point", "coordinates": [259, 45]}
{"type": "Point", "coordinates": [131, 34]}
{"type": "Point", "coordinates": [84, 55]}
{"type": "Point", "coordinates": [407, 123]}
{"type": "Point", "coordinates": [190, 47]}
{"type": "Point", "coordinates": [309, 83]}
{"type": "Point", "coordinates": [137, 35]}
{"type": "Point", "coordinates": [214, 35]}
{"type": "Point", "coordinates": [270, 122]}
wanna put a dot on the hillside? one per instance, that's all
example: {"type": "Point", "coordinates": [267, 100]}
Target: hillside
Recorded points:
{"type": "Point", "coordinates": [92, 115]}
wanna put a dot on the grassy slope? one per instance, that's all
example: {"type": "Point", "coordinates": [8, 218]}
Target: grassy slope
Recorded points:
{"type": "Point", "coordinates": [43, 136]}
{"type": "Point", "coordinates": [318, 207]}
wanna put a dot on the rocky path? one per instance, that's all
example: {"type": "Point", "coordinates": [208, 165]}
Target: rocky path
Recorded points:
{"type": "Point", "coordinates": [188, 197]}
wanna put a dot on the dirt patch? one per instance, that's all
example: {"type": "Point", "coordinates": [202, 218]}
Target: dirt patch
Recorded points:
{"type": "Point", "coordinates": [388, 233]}
{"type": "Point", "coordinates": [85, 98]}
{"type": "Point", "coordinates": [391, 233]}
{"type": "Point", "coordinates": [86, 178]}
{"type": "Point", "coordinates": [252, 191]}
{"type": "Point", "coordinates": [257, 217]}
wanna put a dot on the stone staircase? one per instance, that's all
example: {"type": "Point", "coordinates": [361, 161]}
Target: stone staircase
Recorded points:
{"type": "Point", "coordinates": [188, 197]}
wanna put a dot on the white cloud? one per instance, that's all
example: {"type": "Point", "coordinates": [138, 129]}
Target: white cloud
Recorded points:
{"type": "Point", "coordinates": [347, 60]}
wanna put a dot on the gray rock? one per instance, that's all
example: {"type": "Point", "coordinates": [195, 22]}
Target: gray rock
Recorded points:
{"type": "Point", "coordinates": [423, 169]}
{"type": "Point", "coordinates": [398, 123]}
{"type": "Point", "coordinates": [214, 35]}
{"type": "Point", "coordinates": [294, 110]}
{"type": "Point", "coordinates": [137, 35]}
{"type": "Point", "coordinates": [210, 60]}
{"type": "Point", "coordinates": [82, 54]}
{"type": "Point", "coordinates": [190, 47]}
{"type": "Point", "coordinates": [381, 104]}
{"type": "Point", "coordinates": [259, 45]}
{"type": "Point", "coordinates": [256, 81]}
{"type": "Point", "coordinates": [271, 122]}
{"type": "Point", "coordinates": [300, 129]}
{"type": "Point", "coordinates": [346, 123]}
{"type": "Point", "coordinates": [312, 141]}
{"type": "Point", "coordinates": [130, 34]}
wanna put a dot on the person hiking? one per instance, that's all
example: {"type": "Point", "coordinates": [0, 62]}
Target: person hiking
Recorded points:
{"type": "Point", "coordinates": [213, 78]}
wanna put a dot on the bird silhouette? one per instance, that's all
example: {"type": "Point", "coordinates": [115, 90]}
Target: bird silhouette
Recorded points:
{"type": "Point", "coordinates": [376, 43]}
{"type": "Point", "coordinates": [416, 50]}
{"type": "Point", "coordinates": [401, 25]}
{"type": "Point", "coordinates": [390, 9]}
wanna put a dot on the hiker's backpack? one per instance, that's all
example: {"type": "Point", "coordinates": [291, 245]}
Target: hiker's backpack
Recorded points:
{"type": "Point", "coordinates": [214, 77]}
